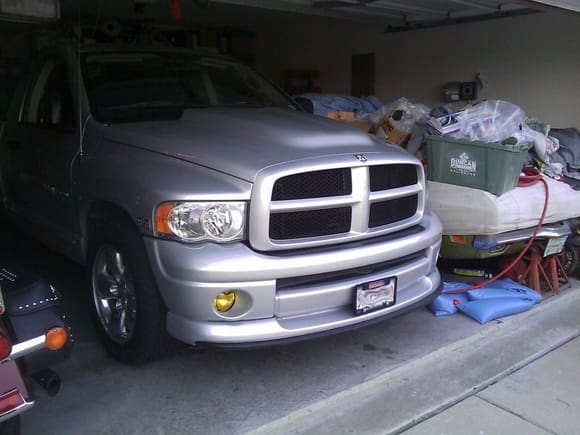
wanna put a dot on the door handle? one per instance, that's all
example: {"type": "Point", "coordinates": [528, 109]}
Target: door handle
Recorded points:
{"type": "Point", "coordinates": [13, 144]}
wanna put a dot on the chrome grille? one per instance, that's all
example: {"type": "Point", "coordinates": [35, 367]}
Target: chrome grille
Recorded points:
{"type": "Point", "coordinates": [318, 203]}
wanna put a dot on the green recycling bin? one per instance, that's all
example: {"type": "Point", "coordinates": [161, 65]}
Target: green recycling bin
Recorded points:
{"type": "Point", "coordinates": [492, 167]}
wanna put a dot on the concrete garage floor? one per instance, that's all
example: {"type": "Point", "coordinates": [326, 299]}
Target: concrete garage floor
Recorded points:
{"type": "Point", "coordinates": [384, 378]}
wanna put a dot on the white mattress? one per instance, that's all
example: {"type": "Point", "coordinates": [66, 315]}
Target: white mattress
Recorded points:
{"type": "Point", "coordinates": [466, 211]}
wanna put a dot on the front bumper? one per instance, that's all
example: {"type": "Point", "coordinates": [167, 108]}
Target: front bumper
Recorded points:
{"type": "Point", "coordinates": [493, 245]}
{"type": "Point", "coordinates": [288, 295]}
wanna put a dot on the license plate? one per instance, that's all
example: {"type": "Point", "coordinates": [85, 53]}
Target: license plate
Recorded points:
{"type": "Point", "coordinates": [555, 245]}
{"type": "Point", "coordinates": [375, 295]}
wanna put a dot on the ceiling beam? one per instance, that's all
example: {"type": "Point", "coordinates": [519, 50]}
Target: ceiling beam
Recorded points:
{"type": "Point", "coordinates": [406, 7]}
{"type": "Point", "coordinates": [307, 9]}
{"type": "Point", "coordinates": [475, 4]}
{"type": "Point", "coordinates": [419, 25]}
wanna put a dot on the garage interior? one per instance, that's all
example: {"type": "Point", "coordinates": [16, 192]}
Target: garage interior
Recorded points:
{"type": "Point", "coordinates": [416, 45]}
{"type": "Point", "coordinates": [522, 52]}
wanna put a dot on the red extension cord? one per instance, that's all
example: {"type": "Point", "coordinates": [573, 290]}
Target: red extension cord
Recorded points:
{"type": "Point", "coordinates": [531, 176]}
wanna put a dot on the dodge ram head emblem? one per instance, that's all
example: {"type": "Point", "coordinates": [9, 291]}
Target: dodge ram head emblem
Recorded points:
{"type": "Point", "coordinates": [361, 157]}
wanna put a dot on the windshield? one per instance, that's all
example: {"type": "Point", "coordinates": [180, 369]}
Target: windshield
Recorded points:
{"type": "Point", "coordinates": [135, 86]}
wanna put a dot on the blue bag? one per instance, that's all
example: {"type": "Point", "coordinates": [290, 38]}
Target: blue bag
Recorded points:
{"type": "Point", "coordinates": [446, 305]}
{"type": "Point", "coordinates": [484, 310]}
{"type": "Point", "coordinates": [504, 288]}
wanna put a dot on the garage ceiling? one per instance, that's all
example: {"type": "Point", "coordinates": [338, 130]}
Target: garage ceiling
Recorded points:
{"type": "Point", "coordinates": [391, 15]}
{"type": "Point", "coordinates": [400, 15]}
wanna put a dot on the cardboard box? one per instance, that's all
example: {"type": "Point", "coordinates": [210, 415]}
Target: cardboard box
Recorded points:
{"type": "Point", "coordinates": [367, 127]}
{"type": "Point", "coordinates": [393, 134]}
{"type": "Point", "coordinates": [350, 119]}
{"type": "Point", "coordinates": [342, 116]}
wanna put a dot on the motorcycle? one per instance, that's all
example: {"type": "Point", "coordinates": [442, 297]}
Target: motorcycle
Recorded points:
{"type": "Point", "coordinates": [34, 335]}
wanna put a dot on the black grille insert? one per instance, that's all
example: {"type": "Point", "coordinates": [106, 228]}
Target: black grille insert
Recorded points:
{"type": "Point", "coordinates": [329, 277]}
{"type": "Point", "coordinates": [310, 223]}
{"type": "Point", "coordinates": [387, 212]}
{"type": "Point", "coordinates": [316, 184]}
{"type": "Point", "coordinates": [385, 177]}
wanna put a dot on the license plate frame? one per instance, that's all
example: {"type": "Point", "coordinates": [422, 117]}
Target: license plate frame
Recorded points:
{"type": "Point", "coordinates": [375, 295]}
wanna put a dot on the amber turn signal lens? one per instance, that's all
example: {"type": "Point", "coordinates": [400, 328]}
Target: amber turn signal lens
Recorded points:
{"type": "Point", "coordinates": [224, 301]}
{"type": "Point", "coordinates": [56, 338]}
{"type": "Point", "coordinates": [457, 239]}
{"type": "Point", "coordinates": [161, 225]}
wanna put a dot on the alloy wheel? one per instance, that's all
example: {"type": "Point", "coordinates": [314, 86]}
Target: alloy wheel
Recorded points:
{"type": "Point", "coordinates": [114, 294]}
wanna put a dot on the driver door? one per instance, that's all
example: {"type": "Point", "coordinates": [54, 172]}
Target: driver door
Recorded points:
{"type": "Point", "coordinates": [41, 148]}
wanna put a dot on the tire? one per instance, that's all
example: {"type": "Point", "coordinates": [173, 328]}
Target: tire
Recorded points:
{"type": "Point", "coordinates": [570, 259]}
{"type": "Point", "coordinates": [11, 426]}
{"type": "Point", "coordinates": [128, 311]}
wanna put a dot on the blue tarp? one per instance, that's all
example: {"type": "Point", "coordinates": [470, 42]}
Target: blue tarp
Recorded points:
{"type": "Point", "coordinates": [323, 103]}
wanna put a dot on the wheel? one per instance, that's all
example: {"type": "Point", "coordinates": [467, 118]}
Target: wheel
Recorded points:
{"type": "Point", "coordinates": [11, 426]}
{"type": "Point", "coordinates": [128, 311]}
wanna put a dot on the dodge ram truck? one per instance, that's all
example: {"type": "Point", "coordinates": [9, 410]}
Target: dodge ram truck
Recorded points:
{"type": "Point", "coordinates": [206, 205]}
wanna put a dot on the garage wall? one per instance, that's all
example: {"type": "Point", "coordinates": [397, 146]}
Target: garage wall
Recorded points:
{"type": "Point", "coordinates": [533, 60]}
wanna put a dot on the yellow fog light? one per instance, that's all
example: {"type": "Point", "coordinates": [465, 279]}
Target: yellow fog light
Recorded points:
{"type": "Point", "coordinates": [225, 301]}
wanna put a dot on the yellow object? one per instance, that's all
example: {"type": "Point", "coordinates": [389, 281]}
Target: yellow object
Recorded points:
{"type": "Point", "coordinates": [225, 301]}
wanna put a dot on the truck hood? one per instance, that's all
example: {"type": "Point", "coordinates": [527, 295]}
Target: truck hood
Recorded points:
{"type": "Point", "coordinates": [241, 141]}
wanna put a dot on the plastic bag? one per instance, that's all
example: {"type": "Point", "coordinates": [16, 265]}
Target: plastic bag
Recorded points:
{"type": "Point", "coordinates": [395, 121]}
{"type": "Point", "coordinates": [492, 121]}
{"type": "Point", "coordinates": [401, 113]}
{"type": "Point", "coordinates": [526, 134]}
{"type": "Point", "coordinates": [537, 133]}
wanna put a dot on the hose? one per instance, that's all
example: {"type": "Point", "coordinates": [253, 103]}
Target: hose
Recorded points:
{"type": "Point", "coordinates": [530, 177]}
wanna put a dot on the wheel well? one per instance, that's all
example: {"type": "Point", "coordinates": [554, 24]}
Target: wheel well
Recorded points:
{"type": "Point", "coordinates": [99, 212]}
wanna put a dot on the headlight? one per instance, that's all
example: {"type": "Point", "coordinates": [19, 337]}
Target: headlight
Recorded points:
{"type": "Point", "coordinates": [195, 221]}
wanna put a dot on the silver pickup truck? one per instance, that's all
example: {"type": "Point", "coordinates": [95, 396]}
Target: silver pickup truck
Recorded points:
{"type": "Point", "coordinates": [206, 204]}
